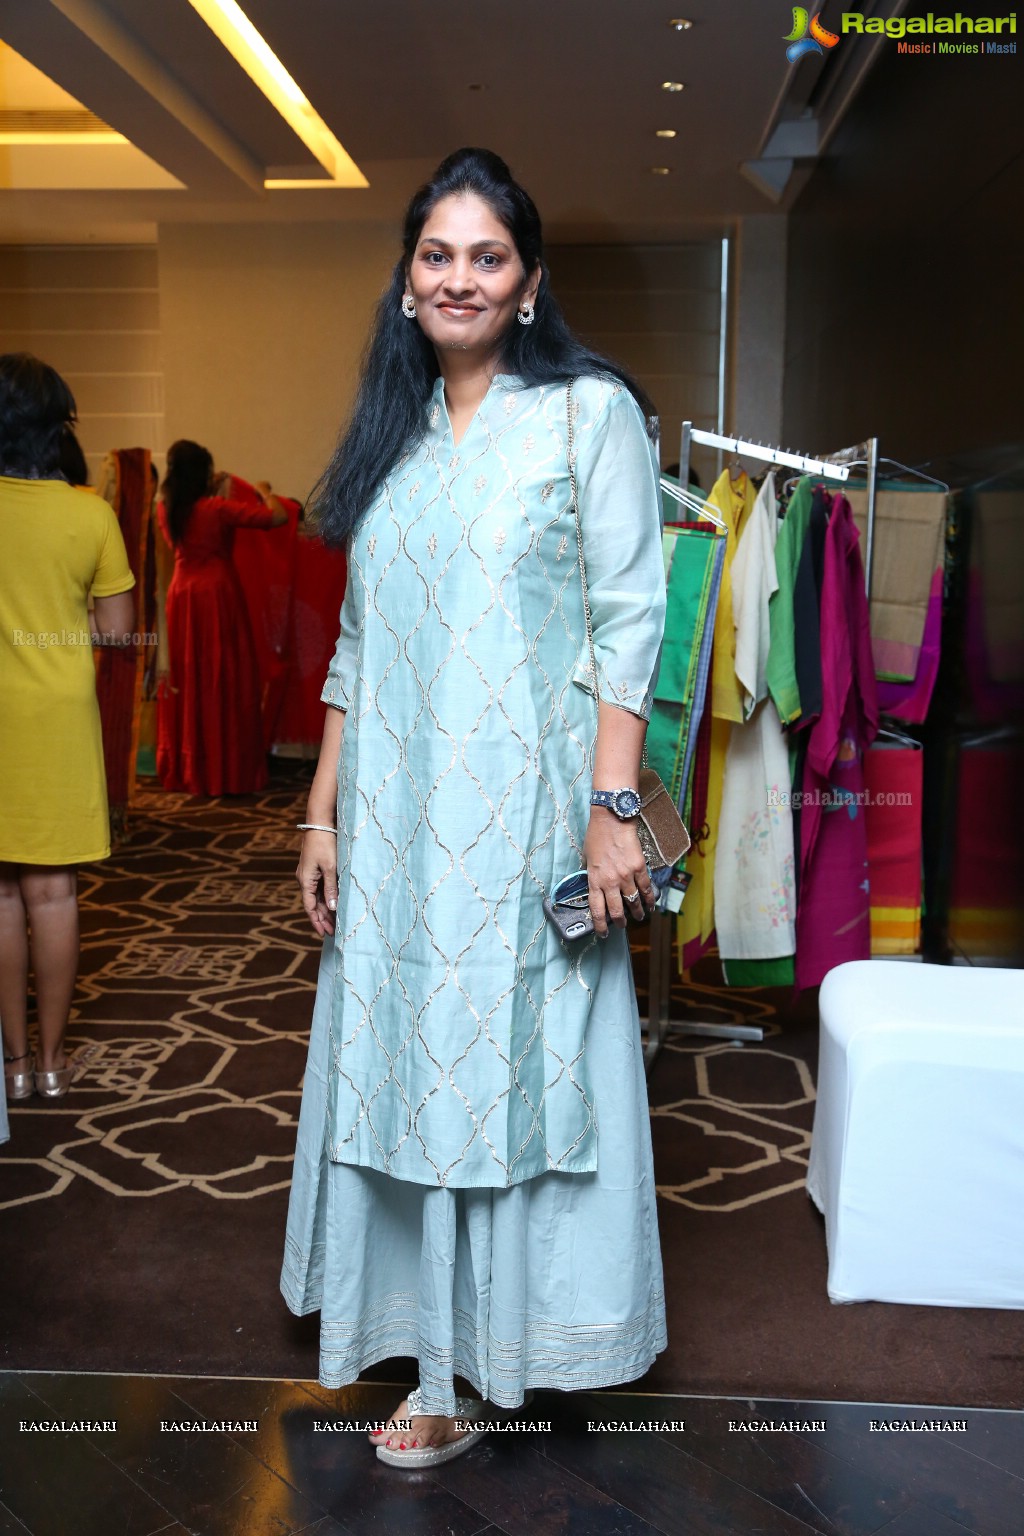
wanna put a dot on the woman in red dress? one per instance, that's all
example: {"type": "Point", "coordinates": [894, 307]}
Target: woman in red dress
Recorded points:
{"type": "Point", "coordinates": [209, 738]}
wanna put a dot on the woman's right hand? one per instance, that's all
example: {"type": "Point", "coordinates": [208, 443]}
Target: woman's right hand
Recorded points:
{"type": "Point", "coordinates": [317, 874]}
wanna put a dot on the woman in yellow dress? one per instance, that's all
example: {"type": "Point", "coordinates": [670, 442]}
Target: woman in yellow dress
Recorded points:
{"type": "Point", "coordinates": [60, 544]}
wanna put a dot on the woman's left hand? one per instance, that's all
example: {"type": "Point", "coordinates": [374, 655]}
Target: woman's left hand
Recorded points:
{"type": "Point", "coordinates": [618, 878]}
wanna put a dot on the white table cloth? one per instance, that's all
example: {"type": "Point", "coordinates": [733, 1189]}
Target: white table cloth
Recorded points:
{"type": "Point", "coordinates": [917, 1156]}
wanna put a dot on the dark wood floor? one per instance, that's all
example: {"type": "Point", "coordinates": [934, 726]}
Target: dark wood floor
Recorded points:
{"type": "Point", "coordinates": [286, 1476]}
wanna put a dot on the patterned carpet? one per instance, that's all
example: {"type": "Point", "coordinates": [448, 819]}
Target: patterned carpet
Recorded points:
{"type": "Point", "coordinates": [141, 1220]}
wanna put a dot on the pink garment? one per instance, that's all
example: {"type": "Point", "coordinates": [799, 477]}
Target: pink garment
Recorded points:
{"type": "Point", "coordinates": [833, 916]}
{"type": "Point", "coordinates": [910, 701]}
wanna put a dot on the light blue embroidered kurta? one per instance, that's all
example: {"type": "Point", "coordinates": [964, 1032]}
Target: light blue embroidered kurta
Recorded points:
{"type": "Point", "coordinates": [458, 1020]}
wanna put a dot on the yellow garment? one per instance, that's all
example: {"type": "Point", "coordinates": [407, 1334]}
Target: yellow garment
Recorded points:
{"type": "Point", "coordinates": [59, 545]}
{"type": "Point", "coordinates": [697, 919]}
{"type": "Point", "coordinates": [732, 501]}
{"type": "Point", "coordinates": [895, 930]}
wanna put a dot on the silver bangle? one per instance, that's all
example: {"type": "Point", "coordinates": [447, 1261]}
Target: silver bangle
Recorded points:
{"type": "Point", "coordinates": [314, 826]}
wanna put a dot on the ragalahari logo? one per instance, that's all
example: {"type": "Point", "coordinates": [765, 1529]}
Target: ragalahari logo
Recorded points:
{"type": "Point", "coordinates": [800, 44]}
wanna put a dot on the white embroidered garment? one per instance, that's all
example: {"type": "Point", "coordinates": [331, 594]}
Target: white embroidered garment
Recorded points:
{"type": "Point", "coordinates": [755, 899]}
{"type": "Point", "coordinates": [458, 1018]}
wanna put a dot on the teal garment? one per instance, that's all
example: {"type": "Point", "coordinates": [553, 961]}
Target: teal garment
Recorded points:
{"type": "Point", "coordinates": [458, 1019]}
{"type": "Point", "coordinates": [672, 510]}
{"type": "Point", "coordinates": [554, 1282]}
{"type": "Point", "coordinates": [781, 667]}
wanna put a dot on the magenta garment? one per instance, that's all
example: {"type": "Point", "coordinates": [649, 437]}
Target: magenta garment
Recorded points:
{"type": "Point", "coordinates": [833, 916]}
{"type": "Point", "coordinates": [909, 701]}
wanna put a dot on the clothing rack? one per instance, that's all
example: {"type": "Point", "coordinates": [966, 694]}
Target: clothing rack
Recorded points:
{"type": "Point", "coordinates": [832, 467]}
{"type": "Point", "coordinates": [835, 467]}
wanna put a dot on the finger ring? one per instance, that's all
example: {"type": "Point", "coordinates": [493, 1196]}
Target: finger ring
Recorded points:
{"type": "Point", "coordinates": [632, 895]}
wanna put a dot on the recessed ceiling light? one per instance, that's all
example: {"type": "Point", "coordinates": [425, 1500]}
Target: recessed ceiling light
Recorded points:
{"type": "Point", "coordinates": [664, 133]}
{"type": "Point", "coordinates": [673, 85]}
{"type": "Point", "coordinates": [660, 170]}
{"type": "Point", "coordinates": [680, 24]}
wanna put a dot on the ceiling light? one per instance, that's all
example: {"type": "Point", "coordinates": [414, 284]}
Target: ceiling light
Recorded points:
{"type": "Point", "coordinates": [56, 126]}
{"type": "Point", "coordinates": [63, 138]}
{"type": "Point", "coordinates": [680, 24]}
{"type": "Point", "coordinates": [660, 170]}
{"type": "Point", "coordinates": [234, 29]}
{"type": "Point", "coordinates": [666, 85]}
{"type": "Point", "coordinates": [664, 133]}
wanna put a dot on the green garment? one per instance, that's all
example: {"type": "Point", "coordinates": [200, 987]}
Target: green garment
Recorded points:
{"type": "Point", "coordinates": [690, 558]}
{"type": "Point", "coordinates": [759, 973]}
{"type": "Point", "coordinates": [781, 669]}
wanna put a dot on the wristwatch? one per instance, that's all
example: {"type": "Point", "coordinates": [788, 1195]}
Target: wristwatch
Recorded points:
{"type": "Point", "coordinates": [625, 803]}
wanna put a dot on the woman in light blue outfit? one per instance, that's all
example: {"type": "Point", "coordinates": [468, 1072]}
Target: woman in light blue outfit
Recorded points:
{"type": "Point", "coordinates": [473, 1179]}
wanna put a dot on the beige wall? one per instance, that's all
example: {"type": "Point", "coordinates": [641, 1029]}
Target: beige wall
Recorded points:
{"type": "Point", "coordinates": [93, 313]}
{"type": "Point", "coordinates": [655, 309]}
{"type": "Point", "coordinates": [262, 332]}
{"type": "Point", "coordinates": [248, 339]}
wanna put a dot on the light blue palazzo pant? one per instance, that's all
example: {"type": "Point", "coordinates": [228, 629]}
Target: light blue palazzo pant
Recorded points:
{"type": "Point", "coordinates": [554, 1282]}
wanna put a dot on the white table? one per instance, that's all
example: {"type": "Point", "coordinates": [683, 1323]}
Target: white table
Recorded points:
{"type": "Point", "coordinates": [917, 1156]}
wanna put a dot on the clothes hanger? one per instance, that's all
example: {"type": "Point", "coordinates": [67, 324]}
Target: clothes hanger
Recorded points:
{"type": "Point", "coordinates": [690, 503]}
{"type": "Point", "coordinates": [1007, 734]}
{"type": "Point", "coordinates": [891, 733]}
{"type": "Point", "coordinates": [907, 469]}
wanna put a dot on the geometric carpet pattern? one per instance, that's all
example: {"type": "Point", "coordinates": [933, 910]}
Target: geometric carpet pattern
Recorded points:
{"type": "Point", "coordinates": [196, 986]}
{"type": "Point", "coordinates": [195, 991]}
{"type": "Point", "coordinates": [142, 1218]}
{"type": "Point", "coordinates": [741, 1134]}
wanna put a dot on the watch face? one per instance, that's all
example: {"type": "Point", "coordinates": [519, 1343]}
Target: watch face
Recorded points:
{"type": "Point", "coordinates": [627, 802]}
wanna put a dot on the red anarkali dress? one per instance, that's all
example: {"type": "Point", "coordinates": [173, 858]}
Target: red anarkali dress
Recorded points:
{"type": "Point", "coordinates": [210, 738]}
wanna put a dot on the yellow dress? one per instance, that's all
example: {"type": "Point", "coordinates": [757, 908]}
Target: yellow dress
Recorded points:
{"type": "Point", "coordinates": [733, 501]}
{"type": "Point", "coordinates": [59, 545]}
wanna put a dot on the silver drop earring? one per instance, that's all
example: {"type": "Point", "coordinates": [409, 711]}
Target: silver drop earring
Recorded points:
{"type": "Point", "coordinates": [409, 307]}
{"type": "Point", "coordinates": [525, 315]}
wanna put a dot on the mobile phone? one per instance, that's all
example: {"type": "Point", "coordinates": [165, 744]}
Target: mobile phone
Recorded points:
{"type": "Point", "coordinates": [568, 909]}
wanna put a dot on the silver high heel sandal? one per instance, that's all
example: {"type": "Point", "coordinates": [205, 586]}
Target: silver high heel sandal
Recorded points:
{"type": "Point", "coordinates": [19, 1085]}
{"type": "Point", "coordinates": [53, 1085]}
{"type": "Point", "coordinates": [467, 1408]}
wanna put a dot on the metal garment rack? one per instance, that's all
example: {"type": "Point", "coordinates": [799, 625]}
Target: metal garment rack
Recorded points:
{"type": "Point", "coordinates": [836, 467]}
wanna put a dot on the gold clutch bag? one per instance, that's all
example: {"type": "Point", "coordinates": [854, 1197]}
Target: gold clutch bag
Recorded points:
{"type": "Point", "coordinates": [663, 835]}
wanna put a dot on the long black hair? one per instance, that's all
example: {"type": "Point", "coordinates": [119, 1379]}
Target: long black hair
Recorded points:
{"type": "Point", "coordinates": [189, 466]}
{"type": "Point", "coordinates": [35, 407]}
{"type": "Point", "coordinates": [71, 459]}
{"type": "Point", "coordinates": [400, 364]}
